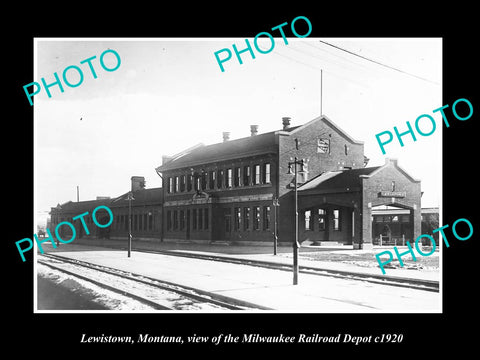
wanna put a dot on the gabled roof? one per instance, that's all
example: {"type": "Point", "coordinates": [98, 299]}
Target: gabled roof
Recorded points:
{"type": "Point", "coordinates": [80, 206]}
{"type": "Point", "coordinates": [345, 180]}
{"type": "Point", "coordinates": [329, 122]}
{"type": "Point", "coordinates": [339, 180]}
{"type": "Point", "coordinates": [141, 197]}
{"type": "Point", "coordinates": [248, 146]}
{"type": "Point", "coordinates": [392, 162]}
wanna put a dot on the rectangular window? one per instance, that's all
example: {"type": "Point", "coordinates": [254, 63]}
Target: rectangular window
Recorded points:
{"type": "Point", "coordinates": [266, 173]}
{"type": "Point", "coordinates": [323, 146]}
{"type": "Point", "coordinates": [238, 218]}
{"type": "Point", "coordinates": [229, 178]}
{"type": "Point", "coordinates": [175, 220]}
{"type": "Point", "coordinates": [170, 185]}
{"type": "Point", "coordinates": [204, 180]}
{"type": "Point", "coordinates": [194, 219]}
{"type": "Point", "coordinates": [206, 218]}
{"type": "Point", "coordinates": [237, 177]}
{"type": "Point", "coordinates": [183, 180]}
{"type": "Point", "coordinates": [308, 220]}
{"type": "Point", "coordinates": [150, 221]}
{"type": "Point", "coordinates": [200, 219]}
{"type": "Point", "coordinates": [266, 218]}
{"type": "Point", "coordinates": [211, 179]}
{"type": "Point", "coordinates": [182, 220]}
{"type": "Point", "coordinates": [336, 219]}
{"type": "Point", "coordinates": [189, 182]}
{"type": "Point", "coordinates": [321, 219]}
{"type": "Point", "coordinates": [135, 221]}
{"type": "Point", "coordinates": [177, 184]}
{"type": "Point", "coordinates": [246, 218]}
{"type": "Point", "coordinates": [144, 221]}
{"type": "Point", "coordinates": [256, 218]}
{"type": "Point", "coordinates": [246, 175]}
{"type": "Point", "coordinates": [256, 174]}
{"type": "Point", "coordinates": [219, 178]}
{"type": "Point", "coordinates": [198, 183]}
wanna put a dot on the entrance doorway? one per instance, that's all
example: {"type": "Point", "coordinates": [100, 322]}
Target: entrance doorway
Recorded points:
{"type": "Point", "coordinates": [226, 227]}
{"type": "Point", "coordinates": [391, 225]}
{"type": "Point", "coordinates": [187, 225]}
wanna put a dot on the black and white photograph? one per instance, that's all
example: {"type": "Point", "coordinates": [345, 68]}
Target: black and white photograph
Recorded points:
{"type": "Point", "coordinates": [216, 183]}
{"type": "Point", "coordinates": [258, 188]}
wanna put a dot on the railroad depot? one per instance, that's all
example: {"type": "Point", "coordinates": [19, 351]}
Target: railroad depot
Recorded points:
{"type": "Point", "coordinates": [242, 191]}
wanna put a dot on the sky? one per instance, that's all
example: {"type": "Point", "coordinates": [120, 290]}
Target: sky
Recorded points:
{"type": "Point", "coordinates": [169, 94]}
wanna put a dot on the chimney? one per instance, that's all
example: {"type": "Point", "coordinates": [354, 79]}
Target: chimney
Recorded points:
{"type": "Point", "coordinates": [254, 129]}
{"type": "Point", "coordinates": [103, 198]}
{"type": "Point", "coordinates": [226, 136]}
{"type": "Point", "coordinates": [138, 183]}
{"type": "Point", "coordinates": [286, 122]}
{"type": "Point", "coordinates": [391, 161]}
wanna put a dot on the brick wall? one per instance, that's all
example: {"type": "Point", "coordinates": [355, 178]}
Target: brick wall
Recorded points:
{"type": "Point", "coordinates": [382, 181]}
{"type": "Point", "coordinates": [342, 152]}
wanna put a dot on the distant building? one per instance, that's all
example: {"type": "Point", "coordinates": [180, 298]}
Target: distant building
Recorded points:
{"type": "Point", "coordinates": [146, 210]}
{"type": "Point", "coordinates": [393, 224]}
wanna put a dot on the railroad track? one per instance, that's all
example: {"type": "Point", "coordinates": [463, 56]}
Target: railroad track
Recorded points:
{"type": "Point", "coordinates": [419, 284]}
{"type": "Point", "coordinates": [158, 294]}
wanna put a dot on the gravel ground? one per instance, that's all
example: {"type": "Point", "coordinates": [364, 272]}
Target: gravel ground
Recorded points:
{"type": "Point", "coordinates": [338, 254]}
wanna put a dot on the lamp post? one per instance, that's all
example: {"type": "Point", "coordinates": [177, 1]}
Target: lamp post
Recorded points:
{"type": "Point", "coordinates": [276, 203]}
{"type": "Point", "coordinates": [130, 198]}
{"type": "Point", "coordinates": [295, 244]}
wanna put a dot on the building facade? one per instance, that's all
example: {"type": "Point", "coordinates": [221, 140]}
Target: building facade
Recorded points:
{"type": "Point", "coordinates": [145, 209]}
{"type": "Point", "coordinates": [390, 225]}
{"type": "Point", "coordinates": [242, 191]}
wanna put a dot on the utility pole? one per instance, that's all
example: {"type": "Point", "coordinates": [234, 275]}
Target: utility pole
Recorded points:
{"type": "Point", "coordinates": [276, 204]}
{"type": "Point", "coordinates": [130, 198]}
{"type": "Point", "coordinates": [321, 92]}
{"type": "Point", "coordinates": [295, 243]}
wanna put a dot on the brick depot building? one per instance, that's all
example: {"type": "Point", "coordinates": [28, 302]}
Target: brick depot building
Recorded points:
{"type": "Point", "coordinates": [145, 209]}
{"type": "Point", "coordinates": [241, 191]}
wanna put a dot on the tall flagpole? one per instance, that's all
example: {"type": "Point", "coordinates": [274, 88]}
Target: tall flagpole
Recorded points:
{"type": "Point", "coordinates": [321, 91]}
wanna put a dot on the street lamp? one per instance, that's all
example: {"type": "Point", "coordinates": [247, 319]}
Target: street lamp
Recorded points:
{"type": "Point", "coordinates": [295, 244]}
{"type": "Point", "coordinates": [276, 203]}
{"type": "Point", "coordinates": [130, 198]}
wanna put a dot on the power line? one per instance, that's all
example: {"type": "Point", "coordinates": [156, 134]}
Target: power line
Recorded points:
{"type": "Point", "coordinates": [378, 63]}
{"type": "Point", "coordinates": [336, 55]}
{"type": "Point", "coordinates": [320, 69]}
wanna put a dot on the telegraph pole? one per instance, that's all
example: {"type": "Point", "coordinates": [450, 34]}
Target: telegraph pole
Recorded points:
{"type": "Point", "coordinates": [130, 198]}
{"type": "Point", "coordinates": [295, 244]}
